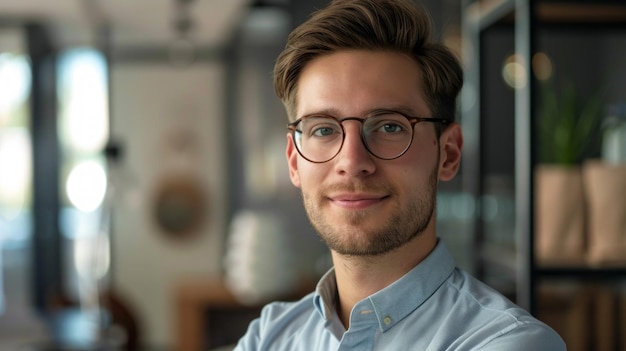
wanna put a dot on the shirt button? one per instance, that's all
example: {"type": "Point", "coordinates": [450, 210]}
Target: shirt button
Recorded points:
{"type": "Point", "coordinates": [387, 320]}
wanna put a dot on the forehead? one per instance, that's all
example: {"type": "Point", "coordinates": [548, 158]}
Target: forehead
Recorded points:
{"type": "Point", "coordinates": [354, 82]}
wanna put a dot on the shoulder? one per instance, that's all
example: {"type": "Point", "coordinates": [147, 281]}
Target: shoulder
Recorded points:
{"type": "Point", "coordinates": [527, 334]}
{"type": "Point", "coordinates": [492, 320]}
{"type": "Point", "coordinates": [283, 312]}
{"type": "Point", "coordinates": [279, 322]}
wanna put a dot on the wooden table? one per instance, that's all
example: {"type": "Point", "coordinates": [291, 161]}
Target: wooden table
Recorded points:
{"type": "Point", "coordinates": [209, 315]}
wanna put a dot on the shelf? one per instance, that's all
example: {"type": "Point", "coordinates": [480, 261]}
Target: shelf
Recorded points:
{"type": "Point", "coordinates": [505, 257]}
{"type": "Point", "coordinates": [581, 13]}
{"type": "Point", "coordinates": [526, 19]}
{"type": "Point", "coordinates": [485, 13]}
{"type": "Point", "coordinates": [583, 273]}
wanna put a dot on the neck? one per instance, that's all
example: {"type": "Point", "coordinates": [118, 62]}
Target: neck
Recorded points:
{"type": "Point", "coordinates": [361, 276]}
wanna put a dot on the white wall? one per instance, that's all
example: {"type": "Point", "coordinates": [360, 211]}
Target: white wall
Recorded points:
{"type": "Point", "coordinates": [170, 120]}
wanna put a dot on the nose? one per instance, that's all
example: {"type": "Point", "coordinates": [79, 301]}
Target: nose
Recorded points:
{"type": "Point", "coordinates": [353, 158]}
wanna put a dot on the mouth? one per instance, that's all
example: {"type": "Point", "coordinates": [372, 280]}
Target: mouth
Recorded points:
{"type": "Point", "coordinates": [356, 201]}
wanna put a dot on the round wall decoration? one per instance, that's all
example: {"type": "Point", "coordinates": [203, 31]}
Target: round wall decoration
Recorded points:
{"type": "Point", "coordinates": [180, 206]}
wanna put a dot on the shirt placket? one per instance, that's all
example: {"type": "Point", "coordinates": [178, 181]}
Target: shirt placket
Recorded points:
{"type": "Point", "coordinates": [363, 331]}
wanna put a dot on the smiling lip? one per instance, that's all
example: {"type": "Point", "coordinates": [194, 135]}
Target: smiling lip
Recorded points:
{"type": "Point", "coordinates": [356, 201]}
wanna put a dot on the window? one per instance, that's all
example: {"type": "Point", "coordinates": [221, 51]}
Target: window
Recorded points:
{"type": "Point", "coordinates": [83, 128]}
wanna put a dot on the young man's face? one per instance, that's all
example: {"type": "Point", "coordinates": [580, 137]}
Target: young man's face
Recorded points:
{"type": "Point", "coordinates": [359, 204]}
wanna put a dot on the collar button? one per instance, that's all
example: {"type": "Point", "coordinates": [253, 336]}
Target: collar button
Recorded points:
{"type": "Point", "coordinates": [387, 320]}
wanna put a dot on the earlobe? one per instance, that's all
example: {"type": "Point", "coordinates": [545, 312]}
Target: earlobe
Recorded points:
{"type": "Point", "coordinates": [292, 161]}
{"type": "Point", "coordinates": [451, 144]}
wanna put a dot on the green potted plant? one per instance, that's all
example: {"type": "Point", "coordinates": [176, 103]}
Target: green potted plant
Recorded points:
{"type": "Point", "coordinates": [569, 126]}
{"type": "Point", "coordinates": [569, 130]}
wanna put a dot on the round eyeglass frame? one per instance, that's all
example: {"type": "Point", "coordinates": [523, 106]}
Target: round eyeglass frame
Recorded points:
{"type": "Point", "coordinates": [413, 120]}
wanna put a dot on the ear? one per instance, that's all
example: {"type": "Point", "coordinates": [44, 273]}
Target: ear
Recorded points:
{"type": "Point", "coordinates": [292, 161]}
{"type": "Point", "coordinates": [450, 144]}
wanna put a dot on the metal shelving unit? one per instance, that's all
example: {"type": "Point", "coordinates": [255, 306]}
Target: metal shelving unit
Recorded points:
{"type": "Point", "coordinates": [524, 17]}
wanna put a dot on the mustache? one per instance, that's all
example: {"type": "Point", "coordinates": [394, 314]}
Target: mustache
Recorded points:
{"type": "Point", "coordinates": [358, 186]}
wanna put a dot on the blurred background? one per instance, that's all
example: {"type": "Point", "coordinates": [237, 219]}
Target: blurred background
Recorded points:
{"type": "Point", "coordinates": [144, 195]}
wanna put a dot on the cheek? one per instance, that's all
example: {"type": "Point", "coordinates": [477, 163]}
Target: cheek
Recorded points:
{"type": "Point", "coordinates": [424, 153]}
{"type": "Point", "coordinates": [309, 174]}
{"type": "Point", "coordinates": [419, 162]}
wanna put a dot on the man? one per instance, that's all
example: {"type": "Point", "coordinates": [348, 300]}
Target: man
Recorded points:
{"type": "Point", "coordinates": [371, 100]}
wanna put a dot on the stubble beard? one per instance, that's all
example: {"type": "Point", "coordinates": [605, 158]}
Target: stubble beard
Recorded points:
{"type": "Point", "coordinates": [407, 221]}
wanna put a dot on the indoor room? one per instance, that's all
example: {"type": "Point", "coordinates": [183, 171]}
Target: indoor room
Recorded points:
{"type": "Point", "coordinates": [147, 203]}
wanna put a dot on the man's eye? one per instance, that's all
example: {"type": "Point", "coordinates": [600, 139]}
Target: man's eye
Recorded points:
{"type": "Point", "coordinates": [390, 128]}
{"type": "Point", "coordinates": [323, 131]}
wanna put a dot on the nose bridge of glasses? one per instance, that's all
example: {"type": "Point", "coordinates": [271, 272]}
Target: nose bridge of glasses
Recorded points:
{"type": "Point", "coordinates": [358, 124]}
{"type": "Point", "coordinates": [358, 119]}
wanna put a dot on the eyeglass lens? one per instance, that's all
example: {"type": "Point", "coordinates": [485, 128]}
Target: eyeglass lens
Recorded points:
{"type": "Point", "coordinates": [386, 136]}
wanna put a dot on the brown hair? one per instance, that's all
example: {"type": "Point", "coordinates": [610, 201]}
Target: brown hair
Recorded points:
{"type": "Point", "coordinates": [390, 25]}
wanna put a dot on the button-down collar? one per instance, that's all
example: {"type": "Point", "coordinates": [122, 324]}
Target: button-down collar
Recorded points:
{"type": "Point", "coordinates": [393, 303]}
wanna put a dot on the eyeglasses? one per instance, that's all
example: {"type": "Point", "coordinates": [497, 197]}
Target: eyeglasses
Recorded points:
{"type": "Point", "coordinates": [386, 134]}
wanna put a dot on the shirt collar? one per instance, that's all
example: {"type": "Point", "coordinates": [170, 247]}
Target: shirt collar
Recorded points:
{"type": "Point", "coordinates": [396, 301]}
{"type": "Point", "coordinates": [325, 298]}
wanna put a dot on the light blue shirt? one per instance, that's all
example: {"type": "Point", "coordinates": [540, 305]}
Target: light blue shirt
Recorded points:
{"type": "Point", "coordinates": [435, 306]}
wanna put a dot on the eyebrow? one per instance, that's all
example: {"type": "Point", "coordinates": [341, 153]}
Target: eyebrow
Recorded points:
{"type": "Point", "coordinates": [336, 113]}
{"type": "Point", "coordinates": [327, 111]}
